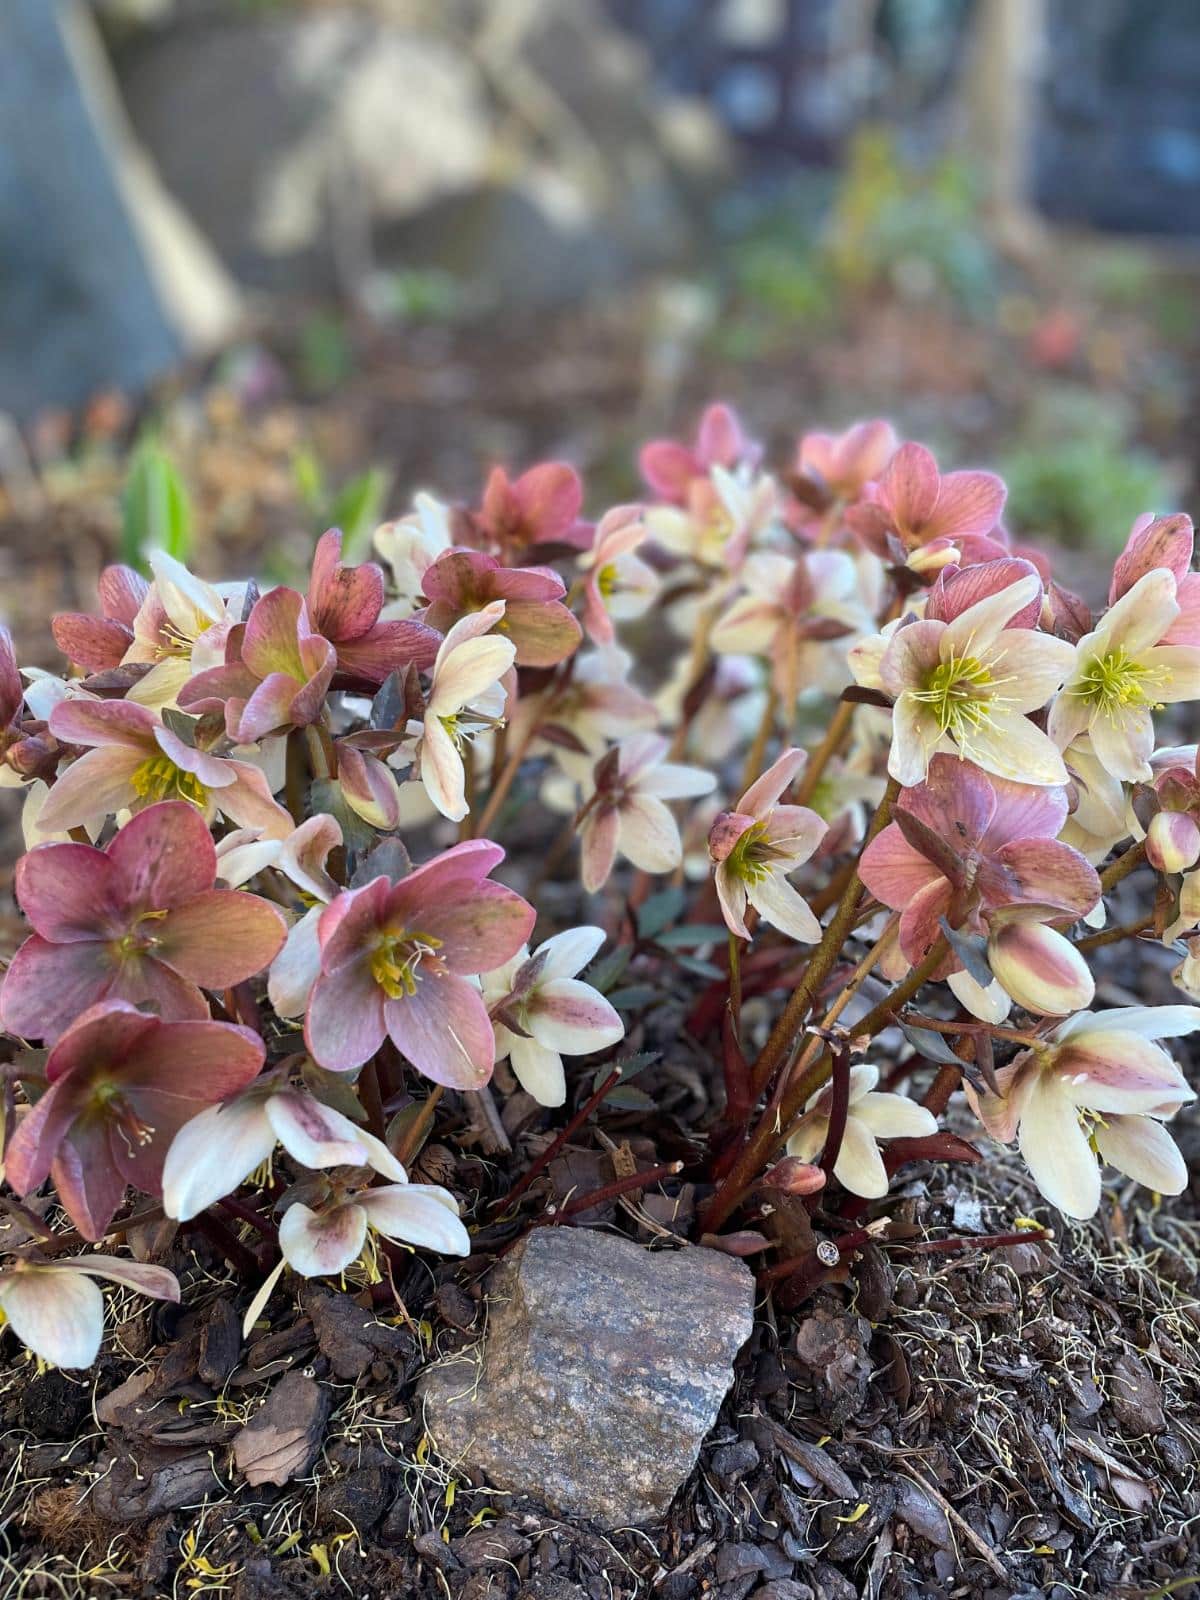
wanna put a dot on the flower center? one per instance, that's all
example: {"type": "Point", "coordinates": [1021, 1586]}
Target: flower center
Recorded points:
{"type": "Point", "coordinates": [158, 778]}
{"type": "Point", "coordinates": [397, 959]}
{"type": "Point", "coordinates": [606, 580]}
{"type": "Point", "coordinates": [750, 857]}
{"type": "Point", "coordinates": [954, 694]}
{"type": "Point", "coordinates": [119, 1112]}
{"type": "Point", "coordinates": [176, 641]}
{"type": "Point", "coordinates": [1118, 682]}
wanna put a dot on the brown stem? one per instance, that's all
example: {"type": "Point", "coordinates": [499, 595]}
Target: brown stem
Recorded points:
{"type": "Point", "coordinates": [505, 781]}
{"type": "Point", "coordinates": [1122, 866]}
{"type": "Point", "coordinates": [419, 1126]}
{"type": "Point", "coordinates": [296, 774]}
{"type": "Point", "coordinates": [835, 736]}
{"type": "Point", "coordinates": [758, 750]}
{"type": "Point", "coordinates": [619, 1186]}
{"type": "Point", "coordinates": [1127, 930]}
{"type": "Point", "coordinates": [785, 1031]}
{"type": "Point", "coordinates": [372, 1099]}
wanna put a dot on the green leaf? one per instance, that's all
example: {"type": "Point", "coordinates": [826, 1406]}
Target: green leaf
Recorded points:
{"type": "Point", "coordinates": [930, 1045]}
{"type": "Point", "coordinates": [358, 509]}
{"type": "Point", "coordinates": [690, 934]}
{"type": "Point", "coordinates": [604, 973]}
{"type": "Point", "coordinates": [659, 911]}
{"type": "Point", "coordinates": [156, 513]}
{"type": "Point", "coordinates": [332, 1089]}
{"type": "Point", "coordinates": [633, 997]}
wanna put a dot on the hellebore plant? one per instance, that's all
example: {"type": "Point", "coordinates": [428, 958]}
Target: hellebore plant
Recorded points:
{"type": "Point", "coordinates": [873, 798]}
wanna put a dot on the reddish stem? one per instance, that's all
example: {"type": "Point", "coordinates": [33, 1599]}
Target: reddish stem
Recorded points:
{"type": "Point", "coordinates": [541, 1162]}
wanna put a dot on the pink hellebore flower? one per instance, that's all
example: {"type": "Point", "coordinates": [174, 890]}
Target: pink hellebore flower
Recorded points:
{"type": "Point", "coordinates": [465, 694]}
{"type": "Point", "coordinates": [277, 672]}
{"type": "Point", "coordinates": [872, 1116]}
{"type": "Point", "coordinates": [463, 582]}
{"type": "Point", "coordinates": [722, 517]}
{"type": "Point", "coordinates": [966, 686]}
{"type": "Point", "coordinates": [757, 846]}
{"type": "Point", "coordinates": [917, 515]}
{"type": "Point", "coordinates": [595, 706]}
{"type": "Point", "coordinates": [135, 760]}
{"type": "Point", "coordinates": [554, 1012]}
{"type": "Point", "coordinates": [214, 1153]}
{"type": "Point", "coordinates": [965, 843]}
{"type": "Point", "coordinates": [626, 811]}
{"type": "Point", "coordinates": [122, 1084]}
{"type": "Point", "coordinates": [139, 922]}
{"type": "Point", "coordinates": [1100, 1084]}
{"type": "Point", "coordinates": [670, 468]}
{"type": "Point", "coordinates": [1035, 965]}
{"type": "Point", "coordinates": [344, 605]}
{"type": "Point", "coordinates": [99, 643]}
{"type": "Point", "coordinates": [793, 607]}
{"type": "Point", "coordinates": [617, 583]}
{"type": "Point", "coordinates": [540, 507]}
{"type": "Point", "coordinates": [1123, 673]}
{"type": "Point", "coordinates": [56, 1310]}
{"type": "Point", "coordinates": [840, 465]}
{"type": "Point", "coordinates": [321, 1243]}
{"type": "Point", "coordinates": [396, 959]}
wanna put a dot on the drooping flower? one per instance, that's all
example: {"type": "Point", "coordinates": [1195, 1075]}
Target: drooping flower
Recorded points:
{"type": "Point", "coordinates": [133, 760]}
{"type": "Point", "coordinates": [409, 545]}
{"type": "Point", "coordinates": [872, 1116]}
{"type": "Point", "coordinates": [344, 605]}
{"type": "Point", "coordinates": [139, 922]}
{"type": "Point", "coordinates": [838, 466]}
{"type": "Point", "coordinates": [1101, 1083]}
{"type": "Point", "coordinates": [617, 584]}
{"type": "Point", "coordinates": [395, 960]}
{"type": "Point", "coordinates": [793, 606]}
{"type": "Point", "coordinates": [626, 812]}
{"type": "Point", "coordinates": [324, 1242]}
{"type": "Point", "coordinates": [964, 844]}
{"type": "Point", "coordinates": [56, 1310]}
{"type": "Point", "coordinates": [757, 846]}
{"type": "Point", "coordinates": [217, 1150]}
{"type": "Point", "coordinates": [591, 709]}
{"type": "Point", "coordinates": [122, 1084]}
{"type": "Point", "coordinates": [1035, 964]}
{"type": "Point", "coordinates": [918, 515]}
{"type": "Point", "coordinates": [462, 582]}
{"type": "Point", "coordinates": [465, 696]}
{"type": "Point", "coordinates": [965, 687]}
{"type": "Point", "coordinates": [1123, 672]}
{"type": "Point", "coordinates": [552, 1012]}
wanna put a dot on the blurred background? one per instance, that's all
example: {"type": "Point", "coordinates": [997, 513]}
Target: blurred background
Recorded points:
{"type": "Point", "coordinates": [271, 264]}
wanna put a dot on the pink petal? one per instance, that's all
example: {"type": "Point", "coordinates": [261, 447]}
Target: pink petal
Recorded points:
{"type": "Point", "coordinates": [221, 938]}
{"type": "Point", "coordinates": [104, 722]}
{"type": "Point", "coordinates": [598, 844]}
{"type": "Point", "coordinates": [967, 503]}
{"type": "Point", "coordinates": [122, 591]}
{"type": "Point", "coordinates": [921, 918]}
{"type": "Point", "coordinates": [544, 631]}
{"type": "Point", "coordinates": [369, 787]}
{"type": "Point", "coordinates": [909, 485]}
{"type": "Point", "coordinates": [91, 788]}
{"type": "Point", "coordinates": [345, 1024]}
{"type": "Point", "coordinates": [1024, 811]}
{"type": "Point", "coordinates": [951, 596]}
{"type": "Point", "coordinates": [668, 468]}
{"type": "Point", "coordinates": [248, 802]}
{"type": "Point", "coordinates": [37, 1136]}
{"type": "Point", "coordinates": [1039, 871]}
{"type": "Point", "coordinates": [550, 497]}
{"type": "Point", "coordinates": [779, 776]}
{"type": "Point", "coordinates": [95, 643]}
{"type": "Point", "coordinates": [1154, 542]}
{"type": "Point", "coordinates": [269, 709]}
{"type": "Point", "coordinates": [271, 642]}
{"type": "Point", "coordinates": [893, 871]}
{"type": "Point", "coordinates": [388, 647]}
{"type": "Point", "coordinates": [911, 655]}
{"type": "Point", "coordinates": [719, 438]}
{"type": "Point", "coordinates": [163, 856]}
{"type": "Point", "coordinates": [956, 800]}
{"type": "Point", "coordinates": [86, 1180]}
{"type": "Point", "coordinates": [1040, 969]}
{"type": "Point", "coordinates": [343, 602]}
{"type": "Point", "coordinates": [48, 985]}
{"type": "Point", "coordinates": [348, 922]}
{"type": "Point", "coordinates": [481, 924]}
{"type": "Point", "coordinates": [445, 1031]}
{"type": "Point", "coordinates": [67, 892]}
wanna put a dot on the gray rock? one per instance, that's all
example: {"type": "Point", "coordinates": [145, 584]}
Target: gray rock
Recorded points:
{"type": "Point", "coordinates": [103, 282]}
{"type": "Point", "coordinates": [603, 1368]}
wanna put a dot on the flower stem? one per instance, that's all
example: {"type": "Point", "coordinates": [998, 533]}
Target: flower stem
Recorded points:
{"type": "Point", "coordinates": [419, 1126]}
{"type": "Point", "coordinates": [835, 736]}
{"type": "Point", "coordinates": [758, 750]}
{"type": "Point", "coordinates": [505, 781]}
{"type": "Point", "coordinates": [541, 1162]}
{"type": "Point", "coordinates": [619, 1186]}
{"type": "Point", "coordinates": [1122, 866]}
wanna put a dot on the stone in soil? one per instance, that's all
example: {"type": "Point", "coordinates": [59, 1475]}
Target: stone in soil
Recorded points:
{"type": "Point", "coordinates": [603, 1367]}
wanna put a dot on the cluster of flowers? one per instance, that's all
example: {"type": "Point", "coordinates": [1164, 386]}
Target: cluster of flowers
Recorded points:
{"type": "Point", "coordinates": [231, 949]}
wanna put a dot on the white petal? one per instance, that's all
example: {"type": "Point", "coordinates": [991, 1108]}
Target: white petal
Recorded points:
{"type": "Point", "coordinates": [468, 671]}
{"type": "Point", "coordinates": [894, 1116]}
{"type": "Point", "coordinates": [1152, 1022]}
{"type": "Point", "coordinates": [989, 1005]}
{"type": "Point", "coordinates": [442, 770]}
{"type": "Point", "coordinates": [1143, 1150]}
{"type": "Point", "coordinates": [419, 1214]}
{"type": "Point", "coordinates": [648, 834]}
{"type": "Point", "coordinates": [1056, 1150]}
{"type": "Point", "coordinates": [566, 954]}
{"type": "Point", "coordinates": [859, 1166]}
{"type": "Point", "coordinates": [297, 966]}
{"type": "Point", "coordinates": [784, 908]}
{"type": "Point", "coordinates": [977, 627]}
{"type": "Point", "coordinates": [671, 781]}
{"type": "Point", "coordinates": [572, 1017]}
{"type": "Point", "coordinates": [212, 1154]}
{"type": "Point", "coordinates": [59, 1315]}
{"type": "Point", "coordinates": [539, 1071]}
{"type": "Point", "coordinates": [314, 1135]}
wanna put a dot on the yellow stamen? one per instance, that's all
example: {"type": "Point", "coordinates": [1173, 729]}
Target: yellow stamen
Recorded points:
{"type": "Point", "coordinates": [1118, 682]}
{"type": "Point", "coordinates": [396, 961]}
{"type": "Point", "coordinates": [158, 778]}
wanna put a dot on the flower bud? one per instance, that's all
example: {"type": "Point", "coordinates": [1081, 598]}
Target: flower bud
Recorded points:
{"type": "Point", "coordinates": [793, 1176]}
{"type": "Point", "coordinates": [1172, 841]}
{"type": "Point", "coordinates": [1040, 969]}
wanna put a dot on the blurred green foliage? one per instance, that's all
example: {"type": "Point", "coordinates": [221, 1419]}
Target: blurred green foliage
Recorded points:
{"type": "Point", "coordinates": [356, 507]}
{"type": "Point", "coordinates": [156, 512]}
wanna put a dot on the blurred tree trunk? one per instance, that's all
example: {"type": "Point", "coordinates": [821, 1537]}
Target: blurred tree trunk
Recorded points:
{"type": "Point", "coordinates": [999, 99]}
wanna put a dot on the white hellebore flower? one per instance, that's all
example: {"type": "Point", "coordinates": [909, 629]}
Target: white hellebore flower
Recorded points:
{"type": "Point", "coordinates": [181, 628]}
{"type": "Point", "coordinates": [1100, 1084]}
{"type": "Point", "coordinates": [859, 1167]}
{"type": "Point", "coordinates": [552, 1012]}
{"type": "Point", "coordinates": [466, 690]}
{"type": "Point", "coordinates": [410, 545]}
{"type": "Point", "coordinates": [758, 845]}
{"type": "Point", "coordinates": [217, 1150]}
{"type": "Point", "coordinates": [317, 1243]}
{"type": "Point", "coordinates": [627, 813]}
{"type": "Point", "coordinates": [55, 1309]}
{"type": "Point", "coordinates": [1123, 674]}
